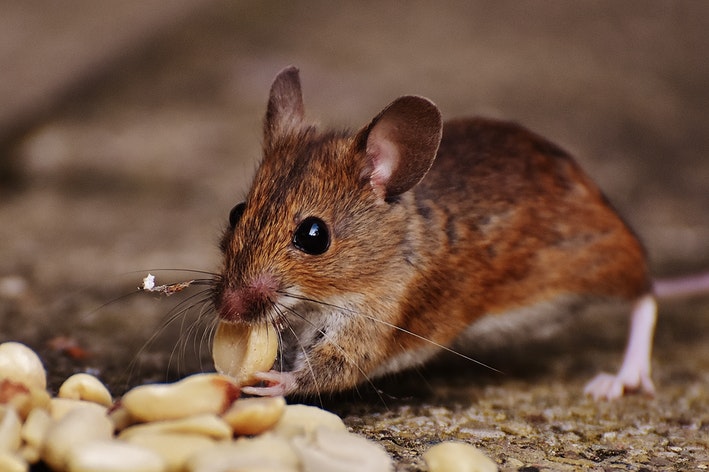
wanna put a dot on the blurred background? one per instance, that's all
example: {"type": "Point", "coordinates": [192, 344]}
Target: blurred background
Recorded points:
{"type": "Point", "coordinates": [129, 129]}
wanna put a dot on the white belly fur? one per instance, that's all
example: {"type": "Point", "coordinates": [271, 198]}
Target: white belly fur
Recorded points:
{"type": "Point", "coordinates": [537, 322]}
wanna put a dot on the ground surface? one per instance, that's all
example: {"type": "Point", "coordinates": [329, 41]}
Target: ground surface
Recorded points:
{"type": "Point", "coordinates": [126, 151]}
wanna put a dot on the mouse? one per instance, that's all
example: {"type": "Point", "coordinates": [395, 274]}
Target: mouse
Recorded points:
{"type": "Point", "coordinates": [372, 251]}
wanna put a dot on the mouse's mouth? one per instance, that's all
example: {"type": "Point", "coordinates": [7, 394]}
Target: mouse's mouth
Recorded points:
{"type": "Point", "coordinates": [249, 303]}
{"type": "Point", "coordinates": [294, 316]}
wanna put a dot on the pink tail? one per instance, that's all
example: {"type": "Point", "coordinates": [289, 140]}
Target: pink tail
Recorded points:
{"type": "Point", "coordinates": [697, 284]}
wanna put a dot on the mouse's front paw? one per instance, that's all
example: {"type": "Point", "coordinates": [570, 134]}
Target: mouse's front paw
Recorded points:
{"type": "Point", "coordinates": [275, 384]}
{"type": "Point", "coordinates": [610, 387]}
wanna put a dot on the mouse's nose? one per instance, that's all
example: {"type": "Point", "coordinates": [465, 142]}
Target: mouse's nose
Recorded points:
{"type": "Point", "coordinates": [249, 302]}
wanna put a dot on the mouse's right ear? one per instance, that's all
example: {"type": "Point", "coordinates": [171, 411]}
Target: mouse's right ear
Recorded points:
{"type": "Point", "coordinates": [400, 145]}
{"type": "Point", "coordinates": [285, 110]}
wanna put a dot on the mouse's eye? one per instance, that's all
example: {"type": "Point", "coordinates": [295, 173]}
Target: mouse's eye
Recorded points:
{"type": "Point", "coordinates": [312, 236]}
{"type": "Point", "coordinates": [235, 214]}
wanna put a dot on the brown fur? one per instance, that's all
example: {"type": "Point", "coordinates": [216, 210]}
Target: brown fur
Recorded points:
{"type": "Point", "coordinates": [516, 222]}
{"type": "Point", "coordinates": [503, 219]}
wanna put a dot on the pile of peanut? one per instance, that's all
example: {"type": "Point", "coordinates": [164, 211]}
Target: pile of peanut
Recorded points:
{"type": "Point", "coordinates": [196, 424]}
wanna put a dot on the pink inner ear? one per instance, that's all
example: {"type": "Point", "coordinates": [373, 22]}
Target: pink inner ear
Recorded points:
{"type": "Point", "coordinates": [384, 155]}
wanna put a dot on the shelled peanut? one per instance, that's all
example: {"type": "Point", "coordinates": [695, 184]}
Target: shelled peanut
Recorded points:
{"type": "Point", "coordinates": [240, 350]}
{"type": "Point", "coordinates": [197, 424]}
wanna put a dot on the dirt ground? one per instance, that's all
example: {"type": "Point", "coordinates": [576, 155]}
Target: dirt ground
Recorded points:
{"type": "Point", "coordinates": [127, 143]}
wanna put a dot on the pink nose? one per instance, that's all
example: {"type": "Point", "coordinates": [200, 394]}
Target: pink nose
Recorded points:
{"type": "Point", "coordinates": [248, 302]}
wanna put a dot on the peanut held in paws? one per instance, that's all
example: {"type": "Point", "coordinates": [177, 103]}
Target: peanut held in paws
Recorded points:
{"type": "Point", "coordinates": [241, 350]}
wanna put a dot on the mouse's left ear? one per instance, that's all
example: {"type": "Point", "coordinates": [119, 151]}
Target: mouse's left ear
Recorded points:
{"type": "Point", "coordinates": [400, 145]}
{"type": "Point", "coordinates": [285, 111]}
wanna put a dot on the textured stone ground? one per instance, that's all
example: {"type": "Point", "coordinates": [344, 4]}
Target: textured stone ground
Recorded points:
{"type": "Point", "coordinates": [133, 162]}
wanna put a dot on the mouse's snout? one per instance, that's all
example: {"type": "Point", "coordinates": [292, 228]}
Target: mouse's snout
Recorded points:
{"type": "Point", "coordinates": [248, 303]}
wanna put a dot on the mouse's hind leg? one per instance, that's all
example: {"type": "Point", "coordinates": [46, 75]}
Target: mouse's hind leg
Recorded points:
{"type": "Point", "coordinates": [634, 373]}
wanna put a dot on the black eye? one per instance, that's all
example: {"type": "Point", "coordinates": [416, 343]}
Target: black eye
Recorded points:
{"type": "Point", "coordinates": [235, 214]}
{"type": "Point", "coordinates": [312, 236]}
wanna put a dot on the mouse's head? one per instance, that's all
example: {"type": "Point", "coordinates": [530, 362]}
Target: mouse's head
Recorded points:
{"type": "Point", "coordinates": [321, 230]}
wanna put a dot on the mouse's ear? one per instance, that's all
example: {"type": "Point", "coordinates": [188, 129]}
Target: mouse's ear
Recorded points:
{"type": "Point", "coordinates": [400, 144]}
{"type": "Point", "coordinates": [285, 105]}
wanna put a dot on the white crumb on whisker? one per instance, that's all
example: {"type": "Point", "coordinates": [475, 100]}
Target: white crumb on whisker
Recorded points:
{"type": "Point", "coordinates": [166, 289]}
{"type": "Point", "coordinates": [148, 282]}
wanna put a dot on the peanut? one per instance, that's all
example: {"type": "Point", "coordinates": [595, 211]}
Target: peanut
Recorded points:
{"type": "Point", "coordinates": [114, 456]}
{"type": "Point", "coordinates": [451, 456]}
{"type": "Point", "coordinates": [263, 453]}
{"type": "Point", "coordinates": [10, 462]}
{"type": "Point", "coordinates": [303, 420]}
{"type": "Point", "coordinates": [326, 449]}
{"type": "Point", "coordinates": [201, 393]}
{"type": "Point", "coordinates": [174, 448]}
{"type": "Point", "coordinates": [60, 407]}
{"type": "Point", "coordinates": [73, 431]}
{"type": "Point", "coordinates": [206, 424]}
{"type": "Point", "coordinates": [240, 350]}
{"type": "Point", "coordinates": [254, 415]}
{"type": "Point", "coordinates": [20, 364]}
{"type": "Point", "coordinates": [85, 387]}
{"type": "Point", "coordinates": [10, 427]}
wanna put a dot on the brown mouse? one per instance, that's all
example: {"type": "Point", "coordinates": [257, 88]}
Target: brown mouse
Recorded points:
{"type": "Point", "coordinates": [373, 251]}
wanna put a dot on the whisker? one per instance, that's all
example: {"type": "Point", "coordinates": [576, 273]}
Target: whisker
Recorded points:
{"type": "Point", "coordinates": [200, 345]}
{"type": "Point", "coordinates": [205, 310]}
{"type": "Point", "coordinates": [172, 315]}
{"type": "Point", "coordinates": [188, 332]}
{"type": "Point", "coordinates": [172, 288]}
{"type": "Point", "coordinates": [305, 353]}
{"type": "Point", "coordinates": [398, 328]}
{"type": "Point", "coordinates": [207, 333]}
{"type": "Point", "coordinates": [117, 299]}
{"type": "Point", "coordinates": [276, 323]}
{"type": "Point", "coordinates": [165, 269]}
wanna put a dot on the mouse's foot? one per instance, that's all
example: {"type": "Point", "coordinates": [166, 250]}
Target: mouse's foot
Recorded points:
{"type": "Point", "coordinates": [634, 374]}
{"type": "Point", "coordinates": [610, 387]}
{"type": "Point", "coordinates": [275, 384]}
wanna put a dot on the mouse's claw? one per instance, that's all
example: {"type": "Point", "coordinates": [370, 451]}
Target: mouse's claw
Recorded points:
{"type": "Point", "coordinates": [275, 384]}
